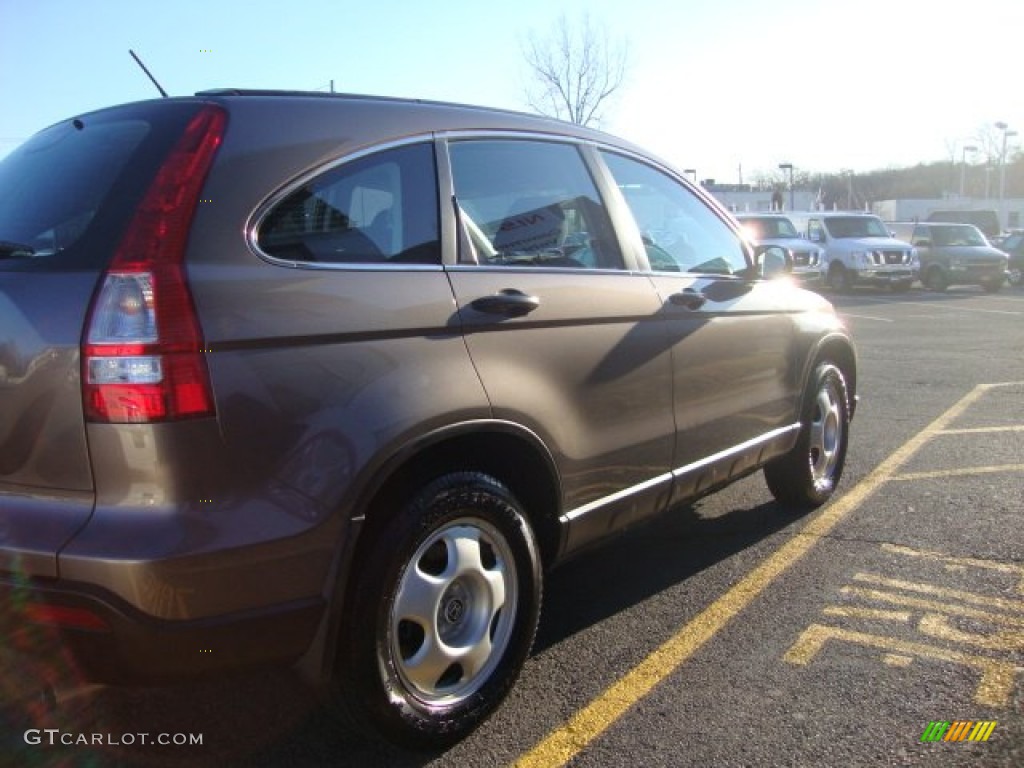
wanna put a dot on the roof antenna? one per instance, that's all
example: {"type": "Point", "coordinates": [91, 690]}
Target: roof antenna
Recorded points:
{"type": "Point", "coordinates": [139, 62]}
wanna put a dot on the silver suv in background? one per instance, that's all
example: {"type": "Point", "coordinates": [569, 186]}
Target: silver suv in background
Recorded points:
{"type": "Point", "coordinates": [768, 229]}
{"type": "Point", "coordinates": [333, 381]}
{"type": "Point", "coordinates": [859, 250]}
{"type": "Point", "coordinates": [957, 254]}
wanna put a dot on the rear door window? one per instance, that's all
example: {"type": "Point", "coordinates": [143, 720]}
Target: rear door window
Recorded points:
{"type": "Point", "coordinates": [531, 204]}
{"type": "Point", "coordinates": [377, 209]}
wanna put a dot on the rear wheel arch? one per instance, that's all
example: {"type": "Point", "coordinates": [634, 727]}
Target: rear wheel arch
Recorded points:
{"type": "Point", "coordinates": [511, 454]}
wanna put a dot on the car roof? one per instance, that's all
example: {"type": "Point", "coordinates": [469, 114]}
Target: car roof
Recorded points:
{"type": "Point", "coordinates": [461, 113]}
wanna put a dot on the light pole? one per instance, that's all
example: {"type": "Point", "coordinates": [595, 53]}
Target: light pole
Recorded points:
{"type": "Point", "coordinates": [692, 172]}
{"type": "Point", "coordinates": [1002, 167]}
{"type": "Point", "coordinates": [788, 167]}
{"type": "Point", "coordinates": [963, 165]}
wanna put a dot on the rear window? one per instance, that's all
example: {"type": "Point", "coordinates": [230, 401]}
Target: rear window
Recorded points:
{"type": "Point", "coordinates": [985, 220]}
{"type": "Point", "coordinates": [66, 193]}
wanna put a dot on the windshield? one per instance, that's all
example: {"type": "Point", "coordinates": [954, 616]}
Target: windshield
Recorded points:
{"type": "Point", "coordinates": [767, 227]}
{"type": "Point", "coordinates": [856, 226]}
{"type": "Point", "coordinates": [958, 235]}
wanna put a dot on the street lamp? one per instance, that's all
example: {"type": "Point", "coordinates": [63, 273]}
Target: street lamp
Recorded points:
{"type": "Point", "coordinates": [963, 165]}
{"type": "Point", "coordinates": [789, 168]}
{"type": "Point", "coordinates": [1002, 167]}
{"type": "Point", "coordinates": [692, 172]}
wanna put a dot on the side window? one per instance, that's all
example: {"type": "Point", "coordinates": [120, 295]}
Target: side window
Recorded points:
{"type": "Point", "coordinates": [381, 208]}
{"type": "Point", "coordinates": [814, 231]}
{"type": "Point", "coordinates": [921, 236]}
{"type": "Point", "coordinates": [680, 233]}
{"type": "Point", "coordinates": [531, 203]}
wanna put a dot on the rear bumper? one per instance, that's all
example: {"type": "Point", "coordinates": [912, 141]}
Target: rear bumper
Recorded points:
{"type": "Point", "coordinates": [111, 642]}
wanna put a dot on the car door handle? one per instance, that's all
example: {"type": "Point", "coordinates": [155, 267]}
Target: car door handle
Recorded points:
{"type": "Point", "coordinates": [509, 302]}
{"type": "Point", "coordinates": [688, 298]}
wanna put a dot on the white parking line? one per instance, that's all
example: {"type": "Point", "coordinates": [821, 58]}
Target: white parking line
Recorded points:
{"type": "Point", "coordinates": [965, 309]}
{"type": "Point", "coordinates": [869, 317]}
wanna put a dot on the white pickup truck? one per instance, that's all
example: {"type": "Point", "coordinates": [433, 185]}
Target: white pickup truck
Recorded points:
{"type": "Point", "coordinates": [859, 250]}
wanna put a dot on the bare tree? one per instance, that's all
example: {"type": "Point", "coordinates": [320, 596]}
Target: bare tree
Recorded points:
{"type": "Point", "coordinates": [989, 142]}
{"type": "Point", "coordinates": [574, 71]}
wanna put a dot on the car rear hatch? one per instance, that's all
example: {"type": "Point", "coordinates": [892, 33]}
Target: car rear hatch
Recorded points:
{"type": "Point", "coordinates": [66, 198]}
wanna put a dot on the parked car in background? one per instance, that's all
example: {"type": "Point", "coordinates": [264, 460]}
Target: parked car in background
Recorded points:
{"type": "Point", "coordinates": [767, 229]}
{"type": "Point", "coordinates": [332, 381]}
{"type": "Point", "coordinates": [859, 250]}
{"type": "Point", "coordinates": [1013, 246]}
{"type": "Point", "coordinates": [985, 219]}
{"type": "Point", "coordinates": [957, 254]}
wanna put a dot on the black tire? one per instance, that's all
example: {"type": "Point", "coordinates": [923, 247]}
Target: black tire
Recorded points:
{"type": "Point", "coordinates": [807, 476]}
{"type": "Point", "coordinates": [992, 286]}
{"type": "Point", "coordinates": [443, 612]}
{"type": "Point", "coordinates": [935, 279]}
{"type": "Point", "coordinates": [839, 279]}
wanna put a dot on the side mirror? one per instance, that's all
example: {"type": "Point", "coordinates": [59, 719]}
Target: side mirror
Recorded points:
{"type": "Point", "coordinates": [773, 261]}
{"type": "Point", "coordinates": [922, 242]}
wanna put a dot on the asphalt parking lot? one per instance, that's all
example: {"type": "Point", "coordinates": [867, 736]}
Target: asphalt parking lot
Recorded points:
{"type": "Point", "coordinates": [733, 632]}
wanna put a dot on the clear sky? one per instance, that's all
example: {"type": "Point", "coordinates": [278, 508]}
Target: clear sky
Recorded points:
{"type": "Point", "coordinates": [712, 84]}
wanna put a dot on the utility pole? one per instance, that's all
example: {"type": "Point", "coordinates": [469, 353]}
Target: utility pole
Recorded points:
{"type": "Point", "coordinates": [1002, 168]}
{"type": "Point", "coordinates": [963, 165]}
{"type": "Point", "coordinates": [789, 168]}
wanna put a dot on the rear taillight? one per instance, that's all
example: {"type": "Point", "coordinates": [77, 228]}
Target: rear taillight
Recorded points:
{"type": "Point", "coordinates": [143, 356]}
{"type": "Point", "coordinates": [64, 616]}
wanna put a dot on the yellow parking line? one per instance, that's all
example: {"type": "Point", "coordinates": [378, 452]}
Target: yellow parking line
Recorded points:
{"type": "Point", "coordinates": [983, 430]}
{"type": "Point", "coordinates": [964, 472]}
{"type": "Point", "coordinates": [562, 744]}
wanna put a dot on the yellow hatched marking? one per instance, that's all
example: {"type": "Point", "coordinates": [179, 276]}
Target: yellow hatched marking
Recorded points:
{"type": "Point", "coordinates": [1003, 603]}
{"type": "Point", "coordinates": [897, 660]}
{"type": "Point", "coordinates": [934, 625]}
{"type": "Point", "coordinates": [950, 560]}
{"type": "Point", "coordinates": [997, 677]}
{"type": "Point", "coordinates": [866, 613]}
{"type": "Point", "coordinates": [933, 606]}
